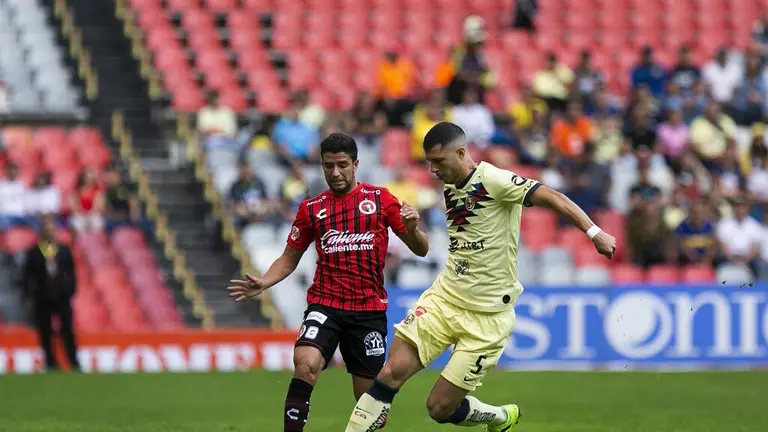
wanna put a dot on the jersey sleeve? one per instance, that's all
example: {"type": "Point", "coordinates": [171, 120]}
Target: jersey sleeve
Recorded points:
{"type": "Point", "coordinates": [302, 233]}
{"type": "Point", "coordinates": [509, 187]}
{"type": "Point", "coordinates": [391, 206]}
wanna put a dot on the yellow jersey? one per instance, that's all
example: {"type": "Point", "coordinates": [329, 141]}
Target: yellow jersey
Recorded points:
{"type": "Point", "coordinates": [483, 216]}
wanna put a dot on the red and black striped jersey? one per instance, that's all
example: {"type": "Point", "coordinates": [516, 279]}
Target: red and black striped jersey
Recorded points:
{"type": "Point", "coordinates": [351, 237]}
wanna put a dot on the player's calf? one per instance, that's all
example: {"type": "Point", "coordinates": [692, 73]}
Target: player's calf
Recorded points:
{"type": "Point", "coordinates": [308, 362]}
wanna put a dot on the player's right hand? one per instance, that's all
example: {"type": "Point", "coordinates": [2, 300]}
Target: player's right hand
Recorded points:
{"type": "Point", "coordinates": [605, 244]}
{"type": "Point", "coordinates": [245, 289]}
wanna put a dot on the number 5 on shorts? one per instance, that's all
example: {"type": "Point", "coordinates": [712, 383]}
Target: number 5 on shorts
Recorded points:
{"type": "Point", "coordinates": [479, 364]}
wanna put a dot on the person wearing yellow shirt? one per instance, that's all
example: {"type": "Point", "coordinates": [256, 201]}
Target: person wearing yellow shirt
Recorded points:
{"type": "Point", "coordinates": [425, 116]}
{"type": "Point", "coordinates": [553, 84]}
{"type": "Point", "coordinates": [711, 133]}
{"type": "Point", "coordinates": [523, 110]}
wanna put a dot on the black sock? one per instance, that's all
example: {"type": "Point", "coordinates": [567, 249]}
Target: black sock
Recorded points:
{"type": "Point", "coordinates": [382, 392]}
{"type": "Point", "coordinates": [297, 405]}
{"type": "Point", "coordinates": [461, 413]}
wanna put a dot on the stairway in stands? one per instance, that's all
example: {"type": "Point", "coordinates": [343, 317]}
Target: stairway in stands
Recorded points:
{"type": "Point", "coordinates": [179, 194]}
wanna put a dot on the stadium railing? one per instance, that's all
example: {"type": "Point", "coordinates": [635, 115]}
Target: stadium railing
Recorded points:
{"type": "Point", "coordinates": [72, 34]}
{"type": "Point", "coordinates": [164, 233]}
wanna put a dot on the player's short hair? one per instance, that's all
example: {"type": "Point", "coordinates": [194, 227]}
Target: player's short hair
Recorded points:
{"type": "Point", "coordinates": [442, 133]}
{"type": "Point", "coordinates": [339, 143]}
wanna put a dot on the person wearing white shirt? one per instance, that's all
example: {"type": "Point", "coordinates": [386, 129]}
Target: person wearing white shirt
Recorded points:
{"type": "Point", "coordinates": [474, 118]}
{"type": "Point", "coordinates": [44, 198]}
{"type": "Point", "coordinates": [757, 183]}
{"type": "Point", "coordinates": [723, 76]}
{"type": "Point", "coordinates": [740, 236]}
{"type": "Point", "coordinates": [13, 193]}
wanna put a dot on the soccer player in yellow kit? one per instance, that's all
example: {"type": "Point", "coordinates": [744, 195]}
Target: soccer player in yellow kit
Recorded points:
{"type": "Point", "coordinates": [471, 304]}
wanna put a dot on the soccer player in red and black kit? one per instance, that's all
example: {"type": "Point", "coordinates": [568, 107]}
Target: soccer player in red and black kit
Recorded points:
{"type": "Point", "coordinates": [349, 224]}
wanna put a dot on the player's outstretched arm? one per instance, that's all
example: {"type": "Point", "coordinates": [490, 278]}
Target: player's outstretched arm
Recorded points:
{"type": "Point", "coordinates": [550, 198]}
{"type": "Point", "coordinates": [279, 270]}
{"type": "Point", "coordinates": [413, 237]}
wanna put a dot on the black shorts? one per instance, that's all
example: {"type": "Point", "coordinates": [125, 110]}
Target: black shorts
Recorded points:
{"type": "Point", "coordinates": [361, 337]}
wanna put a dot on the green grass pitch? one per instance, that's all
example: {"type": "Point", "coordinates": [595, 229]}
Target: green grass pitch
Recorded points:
{"type": "Point", "coordinates": [253, 401]}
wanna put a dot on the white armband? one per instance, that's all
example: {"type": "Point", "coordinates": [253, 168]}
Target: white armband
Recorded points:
{"type": "Point", "coordinates": [593, 231]}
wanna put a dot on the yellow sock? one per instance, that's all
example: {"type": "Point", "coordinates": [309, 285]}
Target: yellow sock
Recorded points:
{"type": "Point", "coordinates": [368, 416]}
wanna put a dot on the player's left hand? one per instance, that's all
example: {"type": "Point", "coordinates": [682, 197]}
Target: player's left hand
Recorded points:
{"type": "Point", "coordinates": [410, 216]}
{"type": "Point", "coordinates": [605, 244]}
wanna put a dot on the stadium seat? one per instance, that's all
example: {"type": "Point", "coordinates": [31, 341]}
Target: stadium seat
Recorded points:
{"type": "Point", "coordinates": [626, 274]}
{"type": "Point", "coordinates": [698, 274]}
{"type": "Point", "coordinates": [663, 274]}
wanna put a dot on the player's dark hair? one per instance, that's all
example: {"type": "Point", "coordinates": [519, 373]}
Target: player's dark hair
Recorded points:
{"type": "Point", "coordinates": [442, 133]}
{"type": "Point", "coordinates": [339, 143]}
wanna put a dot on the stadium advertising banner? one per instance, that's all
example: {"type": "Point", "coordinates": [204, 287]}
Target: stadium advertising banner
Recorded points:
{"type": "Point", "coordinates": [659, 327]}
{"type": "Point", "coordinates": [662, 327]}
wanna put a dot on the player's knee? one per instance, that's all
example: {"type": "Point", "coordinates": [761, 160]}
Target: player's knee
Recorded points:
{"type": "Point", "coordinates": [307, 369]}
{"type": "Point", "coordinates": [438, 410]}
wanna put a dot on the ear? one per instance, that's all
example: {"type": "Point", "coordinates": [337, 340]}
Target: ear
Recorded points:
{"type": "Point", "coordinates": [356, 164]}
{"type": "Point", "coordinates": [461, 152]}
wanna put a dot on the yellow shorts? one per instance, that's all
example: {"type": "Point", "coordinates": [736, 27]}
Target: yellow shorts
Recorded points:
{"type": "Point", "coordinates": [479, 338]}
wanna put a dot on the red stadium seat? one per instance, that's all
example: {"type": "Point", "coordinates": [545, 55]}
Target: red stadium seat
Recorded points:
{"type": "Point", "coordinates": [19, 239]}
{"type": "Point", "coordinates": [183, 5]}
{"type": "Point", "coordinates": [663, 274]}
{"type": "Point", "coordinates": [698, 274]}
{"type": "Point", "coordinates": [625, 274]}
{"type": "Point", "coordinates": [396, 147]}
{"type": "Point", "coordinates": [221, 6]}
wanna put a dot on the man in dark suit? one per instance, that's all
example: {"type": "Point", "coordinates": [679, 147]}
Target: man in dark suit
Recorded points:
{"type": "Point", "coordinates": [49, 284]}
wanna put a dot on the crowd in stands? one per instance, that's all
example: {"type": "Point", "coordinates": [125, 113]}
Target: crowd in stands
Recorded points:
{"type": "Point", "coordinates": [681, 155]}
{"type": "Point", "coordinates": [99, 200]}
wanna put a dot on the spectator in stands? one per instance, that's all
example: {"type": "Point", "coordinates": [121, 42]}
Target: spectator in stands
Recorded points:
{"type": "Point", "coordinates": [685, 74]}
{"type": "Point", "coordinates": [523, 110]}
{"type": "Point", "coordinates": [649, 73]}
{"type": "Point", "coordinates": [587, 79]}
{"type": "Point", "coordinates": [535, 140]}
{"type": "Point", "coordinates": [396, 84]}
{"type": "Point", "coordinates": [602, 104]}
{"type": "Point", "coordinates": [122, 204]}
{"type": "Point", "coordinates": [696, 103]}
{"type": "Point", "coordinates": [758, 147]}
{"type": "Point", "coordinates": [727, 173]}
{"type": "Point", "coordinates": [13, 199]}
{"type": "Point", "coordinates": [293, 191]}
{"type": "Point", "coordinates": [553, 83]}
{"type": "Point", "coordinates": [676, 211]}
{"type": "Point", "coordinates": [760, 32]}
{"type": "Point", "coordinates": [723, 76]}
{"type": "Point", "coordinates": [639, 131]}
{"type": "Point", "coordinates": [598, 175]}
{"type": "Point", "coordinates": [750, 97]}
{"type": "Point", "coordinates": [585, 194]}
{"type": "Point", "coordinates": [87, 204]}
{"type": "Point", "coordinates": [44, 198]}
{"type": "Point", "coordinates": [474, 118]}
{"type": "Point", "coordinates": [294, 139]}
{"type": "Point", "coordinates": [609, 140]}
{"type": "Point", "coordinates": [696, 236]}
{"type": "Point", "coordinates": [249, 199]}
{"type": "Point", "coordinates": [49, 284]}
{"type": "Point", "coordinates": [571, 133]}
{"type": "Point", "coordinates": [470, 64]}
{"type": "Point", "coordinates": [310, 113]}
{"type": "Point", "coordinates": [673, 99]}
{"type": "Point", "coordinates": [757, 183]}
{"type": "Point", "coordinates": [217, 124]}
{"type": "Point", "coordinates": [644, 190]}
{"type": "Point", "coordinates": [648, 239]}
{"type": "Point", "coordinates": [711, 133]}
{"type": "Point", "coordinates": [673, 138]}
{"type": "Point", "coordinates": [425, 115]}
{"type": "Point", "coordinates": [552, 174]}
{"type": "Point", "coordinates": [366, 121]}
{"type": "Point", "coordinates": [402, 187]}
{"type": "Point", "coordinates": [740, 236]}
